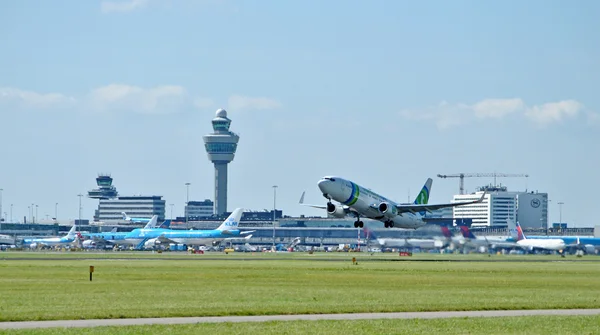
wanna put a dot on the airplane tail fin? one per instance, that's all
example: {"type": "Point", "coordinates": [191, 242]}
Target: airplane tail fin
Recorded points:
{"type": "Point", "coordinates": [125, 217]}
{"type": "Point", "coordinates": [466, 232]}
{"type": "Point", "coordinates": [515, 229]}
{"type": "Point", "coordinates": [233, 220]}
{"type": "Point", "coordinates": [423, 196]}
{"type": "Point", "coordinates": [369, 234]}
{"type": "Point", "coordinates": [72, 232]}
{"type": "Point", "coordinates": [166, 224]}
{"type": "Point", "coordinates": [152, 223]}
{"type": "Point", "coordinates": [446, 231]}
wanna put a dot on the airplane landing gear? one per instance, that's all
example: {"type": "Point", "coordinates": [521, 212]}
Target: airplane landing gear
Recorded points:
{"type": "Point", "coordinates": [388, 224]}
{"type": "Point", "coordinates": [358, 224]}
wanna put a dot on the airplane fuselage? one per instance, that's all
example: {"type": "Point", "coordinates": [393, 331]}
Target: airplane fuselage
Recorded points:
{"type": "Point", "coordinates": [549, 244]}
{"type": "Point", "coordinates": [365, 202]}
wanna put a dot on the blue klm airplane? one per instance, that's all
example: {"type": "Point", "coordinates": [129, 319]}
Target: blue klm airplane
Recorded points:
{"type": "Point", "coordinates": [71, 238]}
{"type": "Point", "coordinates": [149, 238]}
{"type": "Point", "coordinates": [113, 237]}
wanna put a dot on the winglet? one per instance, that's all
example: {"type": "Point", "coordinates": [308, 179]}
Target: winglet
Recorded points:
{"type": "Point", "coordinates": [482, 196]}
{"type": "Point", "coordinates": [302, 198]}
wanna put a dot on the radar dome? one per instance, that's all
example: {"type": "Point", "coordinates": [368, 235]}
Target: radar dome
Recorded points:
{"type": "Point", "coordinates": [221, 112]}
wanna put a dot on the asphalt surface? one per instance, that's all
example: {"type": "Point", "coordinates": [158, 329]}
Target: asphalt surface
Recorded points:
{"type": "Point", "coordinates": [308, 317]}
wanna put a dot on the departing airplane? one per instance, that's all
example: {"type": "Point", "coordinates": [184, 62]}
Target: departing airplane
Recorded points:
{"type": "Point", "coordinates": [555, 244]}
{"type": "Point", "coordinates": [134, 220]}
{"type": "Point", "coordinates": [362, 202]}
{"type": "Point", "coordinates": [71, 237]}
{"type": "Point", "coordinates": [150, 238]}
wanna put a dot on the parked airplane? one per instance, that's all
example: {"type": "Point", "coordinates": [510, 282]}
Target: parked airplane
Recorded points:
{"type": "Point", "coordinates": [113, 237]}
{"type": "Point", "coordinates": [362, 202]}
{"type": "Point", "coordinates": [71, 237]}
{"type": "Point", "coordinates": [150, 238]}
{"type": "Point", "coordinates": [531, 244]}
{"type": "Point", "coordinates": [484, 241]}
{"type": "Point", "coordinates": [590, 245]}
{"type": "Point", "coordinates": [134, 220]}
{"type": "Point", "coordinates": [436, 242]}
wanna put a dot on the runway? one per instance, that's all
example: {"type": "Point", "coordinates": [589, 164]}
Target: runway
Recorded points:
{"type": "Point", "coordinates": [306, 317]}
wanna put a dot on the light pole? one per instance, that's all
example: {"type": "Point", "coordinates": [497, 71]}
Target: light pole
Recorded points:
{"type": "Point", "coordinates": [32, 217]}
{"type": "Point", "coordinates": [274, 211]}
{"type": "Point", "coordinates": [29, 213]}
{"type": "Point", "coordinates": [56, 212]}
{"type": "Point", "coordinates": [79, 195]}
{"type": "Point", "coordinates": [11, 217]}
{"type": "Point", "coordinates": [171, 210]}
{"type": "Point", "coordinates": [36, 213]}
{"type": "Point", "coordinates": [560, 210]}
{"type": "Point", "coordinates": [187, 200]}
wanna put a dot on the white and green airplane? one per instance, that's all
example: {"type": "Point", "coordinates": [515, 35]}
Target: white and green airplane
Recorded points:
{"type": "Point", "coordinates": [360, 202]}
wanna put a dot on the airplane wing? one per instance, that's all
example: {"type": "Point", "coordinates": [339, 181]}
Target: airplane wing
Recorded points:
{"type": "Point", "coordinates": [301, 202]}
{"type": "Point", "coordinates": [163, 239]}
{"type": "Point", "coordinates": [347, 209]}
{"type": "Point", "coordinates": [428, 208]}
{"type": "Point", "coordinates": [237, 238]}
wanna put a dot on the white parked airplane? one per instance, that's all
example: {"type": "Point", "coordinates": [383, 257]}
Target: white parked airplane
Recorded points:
{"type": "Point", "coordinates": [555, 244]}
{"type": "Point", "coordinates": [362, 202]}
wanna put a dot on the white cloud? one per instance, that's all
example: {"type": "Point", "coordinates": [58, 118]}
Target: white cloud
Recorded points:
{"type": "Point", "coordinates": [554, 111]}
{"type": "Point", "coordinates": [447, 115]}
{"type": "Point", "coordinates": [497, 108]}
{"type": "Point", "coordinates": [122, 6]}
{"type": "Point", "coordinates": [238, 102]}
{"type": "Point", "coordinates": [30, 99]}
{"type": "Point", "coordinates": [122, 98]}
{"type": "Point", "coordinates": [202, 103]}
{"type": "Point", "coordinates": [160, 99]}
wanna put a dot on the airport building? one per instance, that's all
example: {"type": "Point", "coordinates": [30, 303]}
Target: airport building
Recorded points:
{"type": "Point", "coordinates": [529, 208]}
{"type": "Point", "coordinates": [135, 206]}
{"type": "Point", "coordinates": [199, 209]}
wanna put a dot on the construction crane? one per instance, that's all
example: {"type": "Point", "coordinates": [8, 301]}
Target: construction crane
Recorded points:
{"type": "Point", "coordinates": [462, 176]}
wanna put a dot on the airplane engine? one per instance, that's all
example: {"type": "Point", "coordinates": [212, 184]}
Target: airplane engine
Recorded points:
{"type": "Point", "coordinates": [388, 211]}
{"type": "Point", "coordinates": [33, 245]}
{"type": "Point", "coordinates": [151, 243]}
{"type": "Point", "coordinates": [335, 210]}
{"type": "Point", "coordinates": [216, 243]}
{"type": "Point", "coordinates": [88, 244]}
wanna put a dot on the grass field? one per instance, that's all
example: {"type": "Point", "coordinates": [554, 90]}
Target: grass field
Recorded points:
{"type": "Point", "coordinates": [60, 289]}
{"type": "Point", "coordinates": [542, 325]}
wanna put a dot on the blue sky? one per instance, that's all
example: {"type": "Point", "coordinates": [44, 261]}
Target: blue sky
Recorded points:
{"type": "Point", "coordinates": [386, 93]}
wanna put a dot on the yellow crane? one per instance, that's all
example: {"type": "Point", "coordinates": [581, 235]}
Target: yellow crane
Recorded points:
{"type": "Point", "coordinates": [462, 177]}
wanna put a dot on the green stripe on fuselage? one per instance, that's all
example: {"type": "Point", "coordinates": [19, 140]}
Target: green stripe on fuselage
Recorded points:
{"type": "Point", "coordinates": [355, 194]}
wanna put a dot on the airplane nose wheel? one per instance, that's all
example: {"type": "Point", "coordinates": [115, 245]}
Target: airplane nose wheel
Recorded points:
{"type": "Point", "coordinates": [358, 224]}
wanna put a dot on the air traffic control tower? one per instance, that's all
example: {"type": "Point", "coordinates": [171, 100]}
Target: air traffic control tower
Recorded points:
{"type": "Point", "coordinates": [220, 147]}
{"type": "Point", "coordinates": [105, 190]}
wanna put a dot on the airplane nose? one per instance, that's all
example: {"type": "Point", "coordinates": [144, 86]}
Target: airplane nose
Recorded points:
{"type": "Point", "coordinates": [322, 184]}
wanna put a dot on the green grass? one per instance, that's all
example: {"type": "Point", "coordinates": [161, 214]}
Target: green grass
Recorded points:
{"type": "Point", "coordinates": [60, 289]}
{"type": "Point", "coordinates": [543, 325]}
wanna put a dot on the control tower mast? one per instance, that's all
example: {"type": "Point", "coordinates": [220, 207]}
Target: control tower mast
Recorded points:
{"type": "Point", "coordinates": [220, 147]}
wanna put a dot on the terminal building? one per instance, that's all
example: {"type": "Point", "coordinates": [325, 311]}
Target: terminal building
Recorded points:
{"type": "Point", "coordinates": [110, 210]}
{"type": "Point", "coordinates": [529, 208]}
{"type": "Point", "coordinates": [199, 209]}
